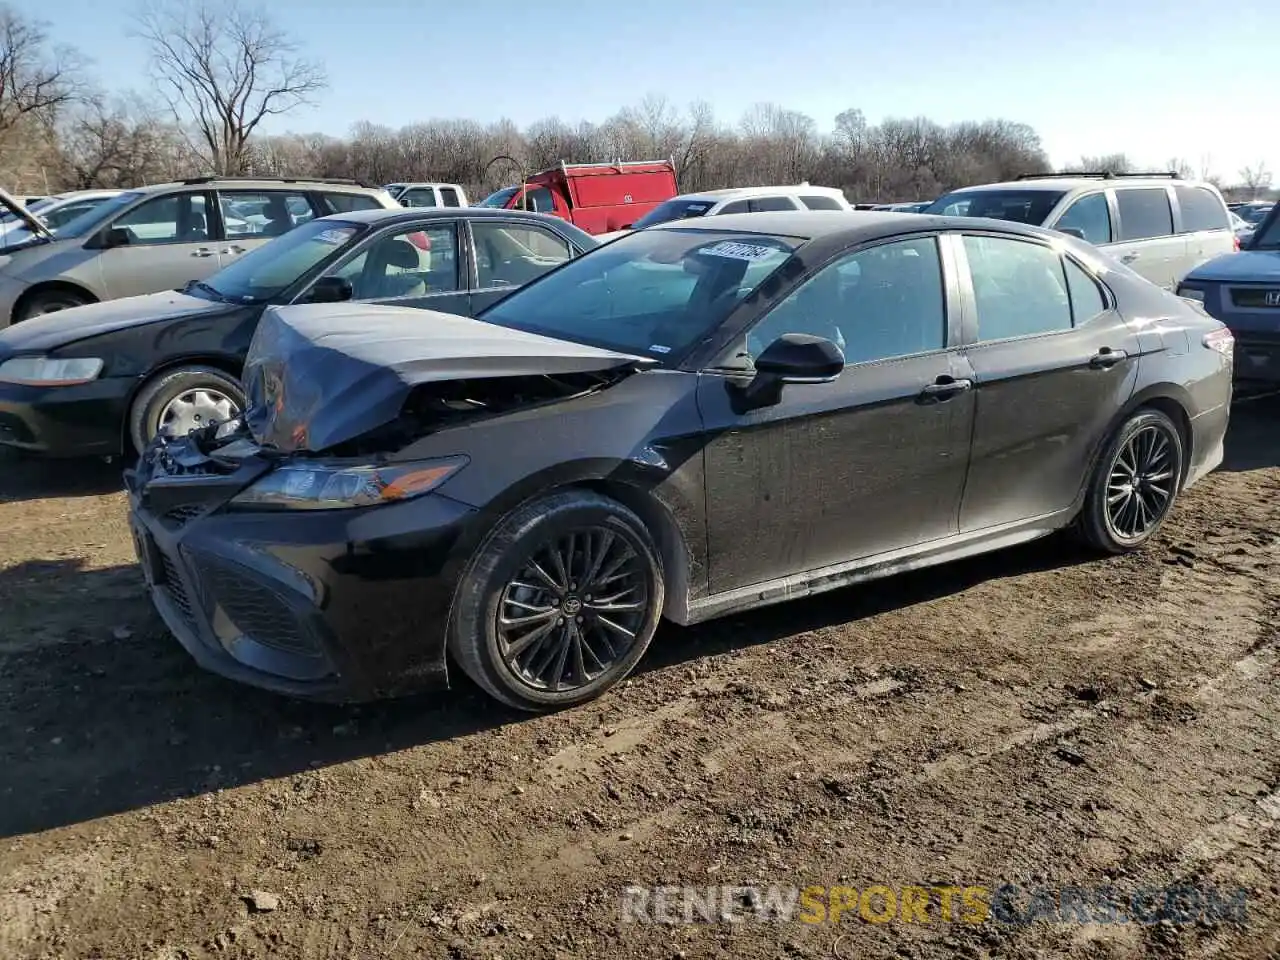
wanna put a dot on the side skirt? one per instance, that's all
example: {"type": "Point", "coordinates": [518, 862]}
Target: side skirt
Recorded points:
{"type": "Point", "coordinates": [875, 567]}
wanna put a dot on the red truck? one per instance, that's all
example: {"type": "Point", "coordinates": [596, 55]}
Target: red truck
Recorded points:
{"type": "Point", "coordinates": [595, 197]}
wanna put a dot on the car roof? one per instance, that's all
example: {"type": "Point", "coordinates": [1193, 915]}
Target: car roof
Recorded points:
{"type": "Point", "coordinates": [851, 225]}
{"type": "Point", "coordinates": [1064, 184]}
{"type": "Point", "coordinates": [246, 183]}
{"type": "Point", "coordinates": [727, 192]}
{"type": "Point", "coordinates": [395, 214]}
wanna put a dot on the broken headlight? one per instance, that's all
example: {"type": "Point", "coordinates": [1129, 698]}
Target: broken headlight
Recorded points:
{"type": "Point", "coordinates": [336, 486]}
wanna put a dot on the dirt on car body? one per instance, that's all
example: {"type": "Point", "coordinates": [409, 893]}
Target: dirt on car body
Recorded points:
{"type": "Point", "coordinates": [1038, 719]}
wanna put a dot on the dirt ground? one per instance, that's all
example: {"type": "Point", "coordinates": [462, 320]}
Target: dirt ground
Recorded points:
{"type": "Point", "coordinates": [1040, 717]}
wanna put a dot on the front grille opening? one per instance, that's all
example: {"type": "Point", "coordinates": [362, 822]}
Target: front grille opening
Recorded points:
{"type": "Point", "coordinates": [258, 611]}
{"type": "Point", "coordinates": [177, 590]}
{"type": "Point", "coordinates": [181, 516]}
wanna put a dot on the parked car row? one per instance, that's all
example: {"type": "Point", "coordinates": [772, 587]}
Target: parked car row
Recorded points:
{"type": "Point", "coordinates": [157, 238]}
{"type": "Point", "coordinates": [106, 378]}
{"type": "Point", "coordinates": [693, 419]}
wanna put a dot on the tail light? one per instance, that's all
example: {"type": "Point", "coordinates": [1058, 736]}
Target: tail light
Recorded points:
{"type": "Point", "coordinates": [419, 240]}
{"type": "Point", "coordinates": [1235, 241]}
{"type": "Point", "coordinates": [1220, 340]}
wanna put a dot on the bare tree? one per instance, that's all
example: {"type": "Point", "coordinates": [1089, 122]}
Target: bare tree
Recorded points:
{"type": "Point", "coordinates": [225, 69]}
{"type": "Point", "coordinates": [1107, 163]}
{"type": "Point", "coordinates": [35, 80]}
{"type": "Point", "coordinates": [1256, 179]}
{"type": "Point", "coordinates": [1181, 167]}
{"type": "Point", "coordinates": [120, 143]}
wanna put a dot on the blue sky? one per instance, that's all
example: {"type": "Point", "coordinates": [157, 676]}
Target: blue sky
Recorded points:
{"type": "Point", "coordinates": [1153, 78]}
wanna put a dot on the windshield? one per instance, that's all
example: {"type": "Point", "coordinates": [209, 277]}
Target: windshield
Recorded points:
{"type": "Point", "coordinates": [1268, 235]}
{"type": "Point", "coordinates": [499, 198]}
{"type": "Point", "coordinates": [269, 270]}
{"type": "Point", "coordinates": [674, 209]}
{"type": "Point", "coordinates": [1254, 215]}
{"type": "Point", "coordinates": [653, 293]}
{"type": "Point", "coordinates": [1021, 206]}
{"type": "Point", "coordinates": [92, 219]}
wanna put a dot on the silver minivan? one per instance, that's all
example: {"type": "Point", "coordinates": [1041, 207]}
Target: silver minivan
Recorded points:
{"type": "Point", "coordinates": [159, 238]}
{"type": "Point", "coordinates": [1160, 225]}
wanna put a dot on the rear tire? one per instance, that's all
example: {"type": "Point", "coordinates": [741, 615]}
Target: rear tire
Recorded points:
{"type": "Point", "coordinates": [49, 301]}
{"type": "Point", "coordinates": [559, 603]}
{"type": "Point", "coordinates": [204, 394]}
{"type": "Point", "coordinates": [1134, 485]}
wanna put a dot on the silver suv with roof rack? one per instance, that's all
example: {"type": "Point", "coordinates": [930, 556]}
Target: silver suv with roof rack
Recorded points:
{"type": "Point", "coordinates": [1160, 225]}
{"type": "Point", "coordinates": [160, 238]}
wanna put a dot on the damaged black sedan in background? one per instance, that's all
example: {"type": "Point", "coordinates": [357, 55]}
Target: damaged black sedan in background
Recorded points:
{"type": "Point", "coordinates": [688, 421]}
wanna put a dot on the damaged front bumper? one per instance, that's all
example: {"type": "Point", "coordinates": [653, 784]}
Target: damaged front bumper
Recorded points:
{"type": "Point", "coordinates": [343, 605]}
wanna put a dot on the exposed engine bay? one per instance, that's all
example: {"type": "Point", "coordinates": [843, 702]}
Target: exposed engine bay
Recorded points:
{"type": "Point", "coordinates": [439, 405]}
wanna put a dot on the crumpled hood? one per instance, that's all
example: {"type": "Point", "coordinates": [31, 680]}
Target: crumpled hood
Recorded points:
{"type": "Point", "coordinates": [1259, 266]}
{"type": "Point", "coordinates": [41, 334]}
{"type": "Point", "coordinates": [318, 375]}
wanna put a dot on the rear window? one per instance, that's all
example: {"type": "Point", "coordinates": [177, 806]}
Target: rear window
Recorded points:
{"type": "Point", "coordinates": [1201, 210]}
{"type": "Point", "coordinates": [347, 202]}
{"type": "Point", "coordinates": [675, 209]}
{"type": "Point", "coordinates": [1144, 213]}
{"type": "Point", "coordinates": [1020, 206]}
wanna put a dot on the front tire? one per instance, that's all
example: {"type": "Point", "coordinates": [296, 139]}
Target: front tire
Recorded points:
{"type": "Point", "coordinates": [50, 301]}
{"type": "Point", "coordinates": [183, 399]}
{"type": "Point", "coordinates": [559, 603]}
{"type": "Point", "coordinates": [1134, 485]}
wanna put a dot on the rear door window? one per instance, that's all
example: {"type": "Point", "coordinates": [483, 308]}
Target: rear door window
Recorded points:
{"type": "Point", "coordinates": [738, 206]}
{"type": "Point", "coordinates": [513, 254]}
{"type": "Point", "coordinates": [449, 197]}
{"type": "Point", "coordinates": [1201, 210]}
{"type": "Point", "coordinates": [262, 213]}
{"type": "Point", "coordinates": [821, 203]}
{"type": "Point", "coordinates": [1019, 288]}
{"type": "Point", "coordinates": [1144, 213]}
{"type": "Point", "coordinates": [418, 197]}
{"type": "Point", "coordinates": [767, 204]}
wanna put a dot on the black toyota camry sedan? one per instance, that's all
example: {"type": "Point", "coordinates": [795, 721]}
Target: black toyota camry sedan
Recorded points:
{"type": "Point", "coordinates": [104, 379]}
{"type": "Point", "coordinates": [694, 419]}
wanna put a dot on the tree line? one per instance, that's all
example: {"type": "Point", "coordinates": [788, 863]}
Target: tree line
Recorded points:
{"type": "Point", "coordinates": [221, 70]}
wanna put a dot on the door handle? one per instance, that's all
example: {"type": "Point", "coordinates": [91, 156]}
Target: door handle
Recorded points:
{"type": "Point", "coordinates": [232, 250]}
{"type": "Point", "coordinates": [202, 252]}
{"type": "Point", "coordinates": [1106, 358]}
{"type": "Point", "coordinates": [1130, 257]}
{"type": "Point", "coordinates": [944, 388]}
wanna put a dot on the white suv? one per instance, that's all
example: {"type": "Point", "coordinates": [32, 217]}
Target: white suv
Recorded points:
{"type": "Point", "coordinates": [1160, 225]}
{"type": "Point", "coordinates": [710, 203]}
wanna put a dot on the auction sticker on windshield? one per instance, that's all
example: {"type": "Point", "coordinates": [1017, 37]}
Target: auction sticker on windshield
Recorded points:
{"type": "Point", "coordinates": [336, 237]}
{"type": "Point", "coordinates": [736, 250]}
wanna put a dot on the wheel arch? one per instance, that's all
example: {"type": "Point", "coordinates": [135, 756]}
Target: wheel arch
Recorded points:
{"type": "Point", "coordinates": [635, 486]}
{"type": "Point", "coordinates": [1170, 399]}
{"type": "Point", "coordinates": [48, 286]}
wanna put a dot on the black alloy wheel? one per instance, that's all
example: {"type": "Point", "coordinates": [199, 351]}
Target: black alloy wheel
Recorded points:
{"type": "Point", "coordinates": [573, 610]}
{"type": "Point", "coordinates": [559, 602]}
{"type": "Point", "coordinates": [1135, 483]}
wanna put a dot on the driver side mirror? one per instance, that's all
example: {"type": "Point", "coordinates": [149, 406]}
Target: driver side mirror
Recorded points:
{"type": "Point", "coordinates": [1072, 232]}
{"type": "Point", "coordinates": [792, 358]}
{"type": "Point", "coordinates": [115, 237]}
{"type": "Point", "coordinates": [331, 290]}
